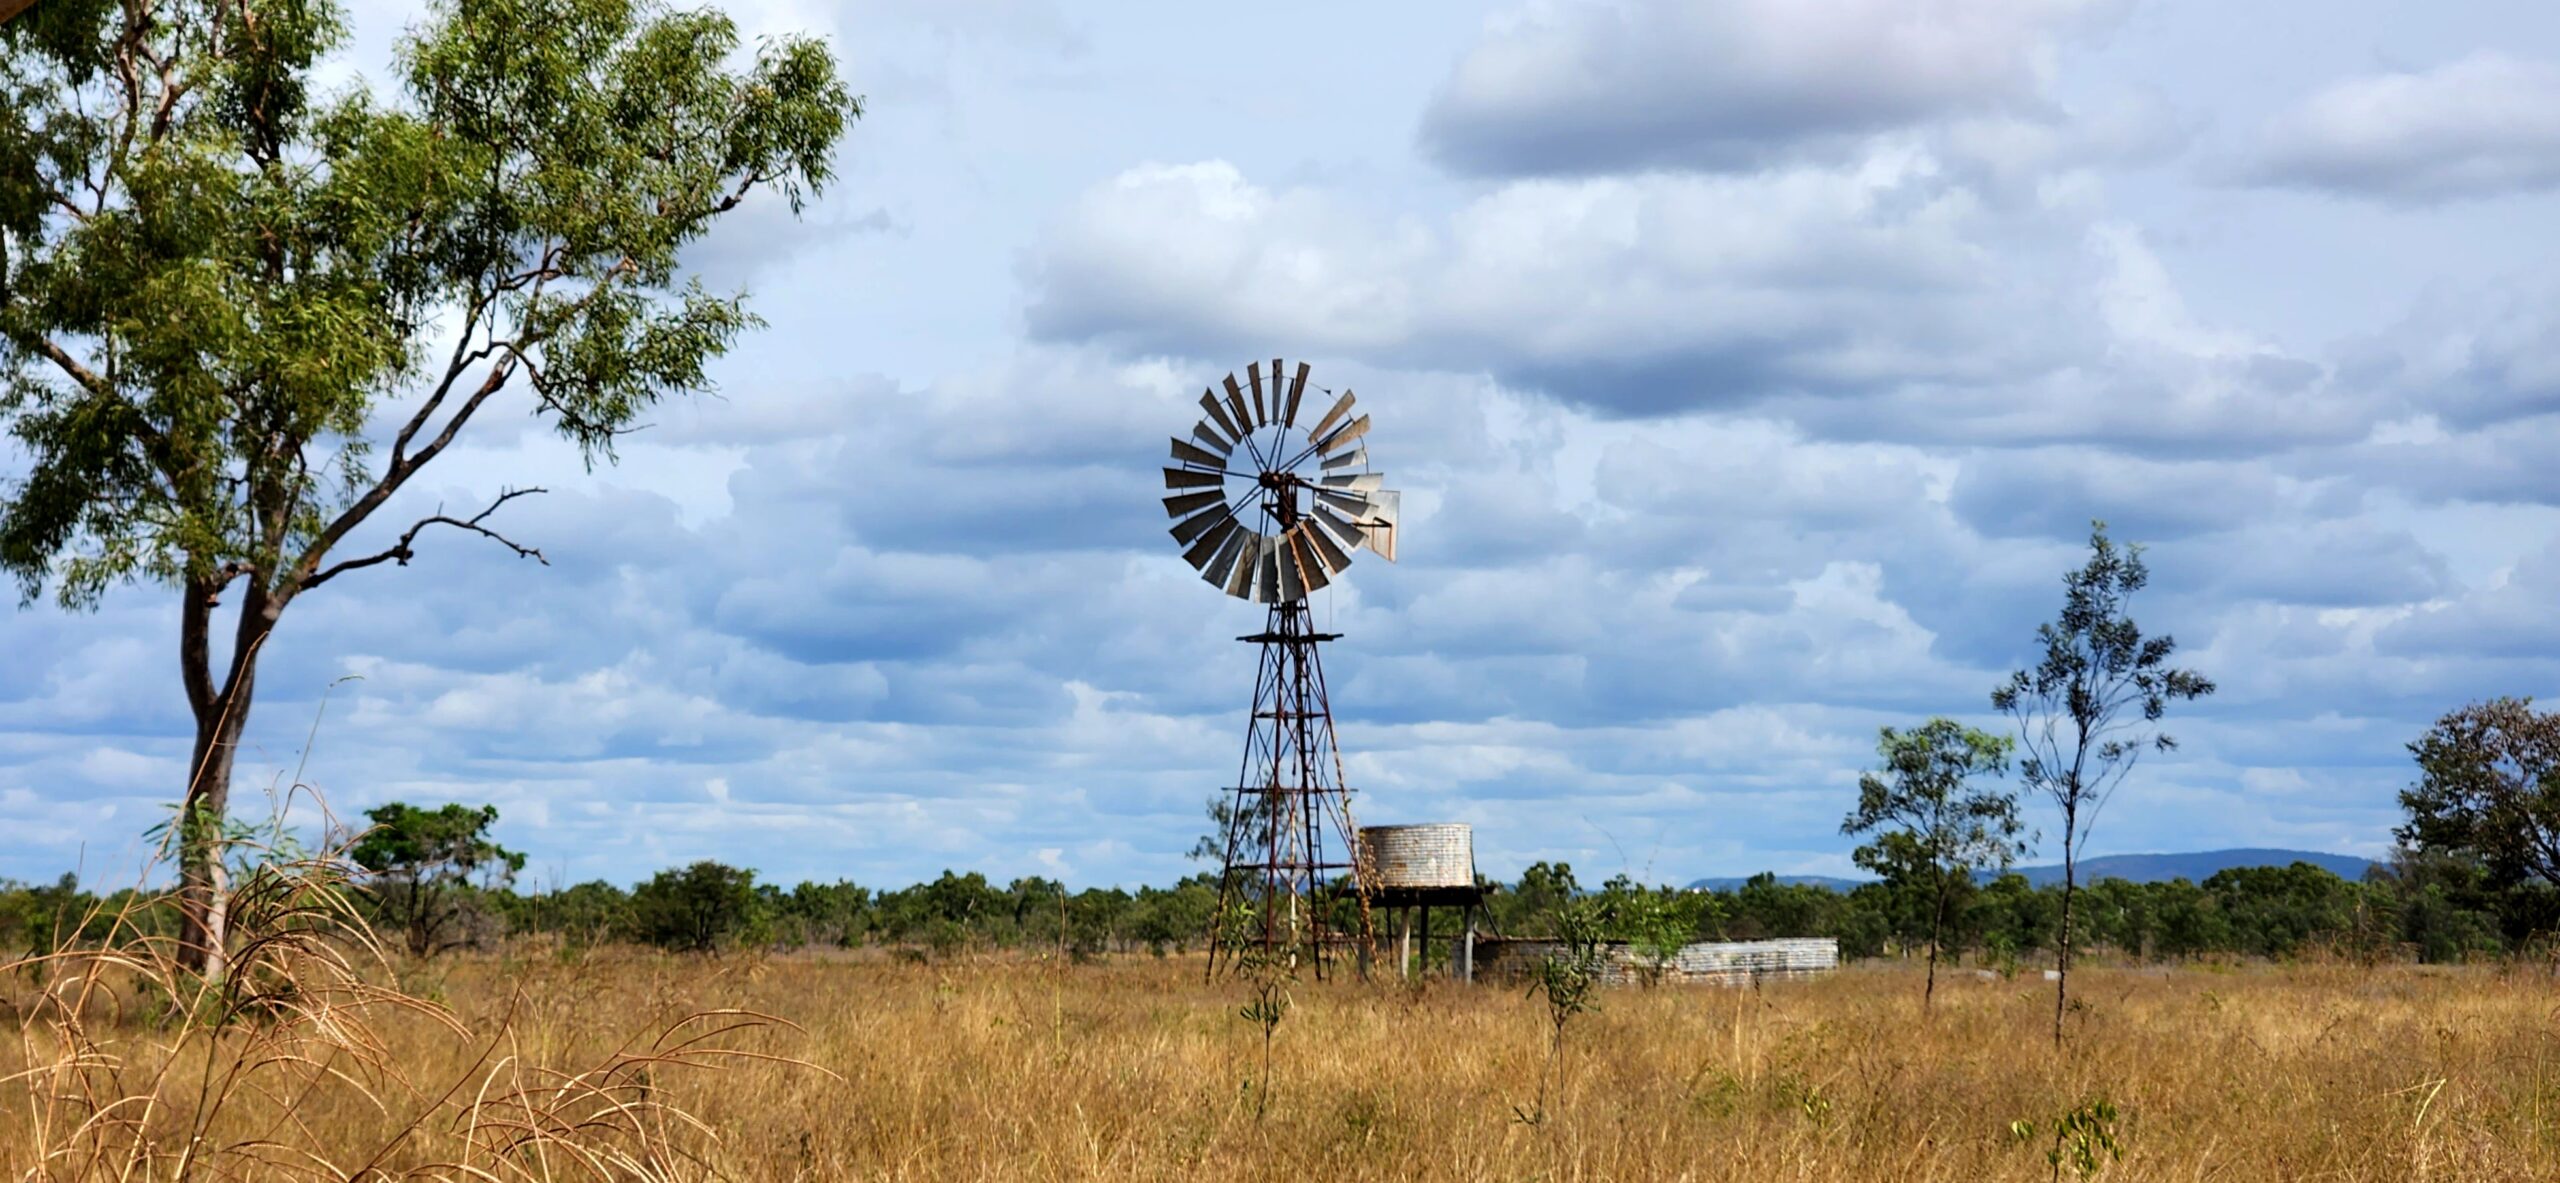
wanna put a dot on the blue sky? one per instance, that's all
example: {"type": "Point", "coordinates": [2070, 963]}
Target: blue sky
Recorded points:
{"type": "Point", "coordinates": [1752, 370]}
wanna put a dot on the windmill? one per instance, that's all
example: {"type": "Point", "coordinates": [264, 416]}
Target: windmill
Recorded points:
{"type": "Point", "coordinates": [1269, 511]}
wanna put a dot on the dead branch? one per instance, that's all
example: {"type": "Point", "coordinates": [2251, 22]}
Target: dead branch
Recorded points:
{"type": "Point", "coordinates": [402, 551]}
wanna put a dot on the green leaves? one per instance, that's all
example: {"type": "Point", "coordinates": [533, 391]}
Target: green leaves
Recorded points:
{"type": "Point", "coordinates": [2489, 787]}
{"type": "Point", "coordinates": [2080, 708]}
{"type": "Point", "coordinates": [216, 278]}
{"type": "Point", "coordinates": [1936, 818]}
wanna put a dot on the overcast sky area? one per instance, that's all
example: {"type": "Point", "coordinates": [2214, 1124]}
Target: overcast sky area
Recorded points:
{"type": "Point", "coordinates": [1752, 369]}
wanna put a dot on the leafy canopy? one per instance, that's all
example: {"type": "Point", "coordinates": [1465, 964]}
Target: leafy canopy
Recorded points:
{"type": "Point", "coordinates": [423, 862]}
{"type": "Point", "coordinates": [1930, 815]}
{"type": "Point", "coordinates": [449, 844]}
{"type": "Point", "coordinates": [214, 274]}
{"type": "Point", "coordinates": [2489, 788]}
{"type": "Point", "coordinates": [2085, 710]}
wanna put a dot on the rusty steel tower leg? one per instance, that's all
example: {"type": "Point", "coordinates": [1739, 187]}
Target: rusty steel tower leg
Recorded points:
{"type": "Point", "coordinates": [1291, 844]}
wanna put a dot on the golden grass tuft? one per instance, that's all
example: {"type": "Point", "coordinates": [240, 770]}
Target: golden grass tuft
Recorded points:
{"type": "Point", "coordinates": [1001, 1068]}
{"type": "Point", "coordinates": [309, 1059]}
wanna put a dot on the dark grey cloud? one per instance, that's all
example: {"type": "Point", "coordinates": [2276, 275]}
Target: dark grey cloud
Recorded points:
{"type": "Point", "coordinates": [2480, 126]}
{"type": "Point", "coordinates": [2057, 492]}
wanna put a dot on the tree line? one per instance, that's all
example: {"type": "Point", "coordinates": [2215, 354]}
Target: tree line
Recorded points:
{"type": "Point", "coordinates": [2421, 906]}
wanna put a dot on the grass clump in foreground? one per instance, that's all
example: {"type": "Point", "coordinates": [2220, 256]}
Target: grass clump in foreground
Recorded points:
{"type": "Point", "coordinates": [310, 1058]}
{"type": "Point", "coordinates": [1024, 1069]}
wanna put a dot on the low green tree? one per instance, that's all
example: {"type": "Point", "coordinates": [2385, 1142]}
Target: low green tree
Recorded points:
{"type": "Point", "coordinates": [698, 909]}
{"type": "Point", "coordinates": [422, 866]}
{"type": "Point", "coordinates": [1568, 981]}
{"type": "Point", "coordinates": [1935, 825]}
{"type": "Point", "coordinates": [2089, 707]}
{"type": "Point", "coordinates": [2489, 788]}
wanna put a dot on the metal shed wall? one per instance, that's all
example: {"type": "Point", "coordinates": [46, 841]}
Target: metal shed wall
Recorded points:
{"type": "Point", "coordinates": [1727, 963]}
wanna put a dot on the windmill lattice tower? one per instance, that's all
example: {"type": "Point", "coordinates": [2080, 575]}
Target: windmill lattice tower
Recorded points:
{"type": "Point", "coordinates": [1270, 512]}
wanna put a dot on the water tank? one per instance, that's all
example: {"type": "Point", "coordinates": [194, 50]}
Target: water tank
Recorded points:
{"type": "Point", "coordinates": [1439, 854]}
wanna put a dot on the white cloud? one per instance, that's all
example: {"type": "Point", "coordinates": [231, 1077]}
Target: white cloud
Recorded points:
{"type": "Point", "coordinates": [2479, 126]}
{"type": "Point", "coordinates": [1878, 298]}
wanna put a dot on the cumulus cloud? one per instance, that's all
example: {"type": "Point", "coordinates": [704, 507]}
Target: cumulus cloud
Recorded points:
{"type": "Point", "coordinates": [1878, 299]}
{"type": "Point", "coordinates": [2479, 126]}
{"type": "Point", "coordinates": [1616, 85]}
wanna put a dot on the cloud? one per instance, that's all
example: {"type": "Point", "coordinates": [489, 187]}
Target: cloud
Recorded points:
{"type": "Point", "coordinates": [2509, 620]}
{"type": "Point", "coordinates": [2479, 126]}
{"type": "Point", "coordinates": [1878, 299]}
{"type": "Point", "coordinates": [1595, 87]}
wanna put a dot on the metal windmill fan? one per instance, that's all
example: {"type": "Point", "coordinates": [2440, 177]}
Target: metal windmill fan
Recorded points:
{"type": "Point", "coordinates": [1269, 511]}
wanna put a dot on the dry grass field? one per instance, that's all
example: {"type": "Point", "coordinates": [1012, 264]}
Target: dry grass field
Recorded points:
{"type": "Point", "coordinates": [1134, 1069]}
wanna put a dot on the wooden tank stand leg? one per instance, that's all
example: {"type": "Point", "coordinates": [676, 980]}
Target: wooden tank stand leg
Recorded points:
{"type": "Point", "coordinates": [1404, 956]}
{"type": "Point", "coordinates": [1468, 972]}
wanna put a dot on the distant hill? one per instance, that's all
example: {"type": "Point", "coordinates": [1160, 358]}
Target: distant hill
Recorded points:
{"type": "Point", "coordinates": [2195, 865]}
{"type": "Point", "coordinates": [2140, 868]}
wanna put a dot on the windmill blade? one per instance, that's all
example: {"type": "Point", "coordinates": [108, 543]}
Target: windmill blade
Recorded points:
{"type": "Point", "coordinates": [1340, 407]}
{"type": "Point", "coordinates": [1200, 523]}
{"type": "Point", "coordinates": [1356, 482]}
{"type": "Point", "coordinates": [1344, 531]}
{"type": "Point", "coordinates": [1329, 552]}
{"type": "Point", "coordinates": [1266, 580]}
{"type": "Point", "coordinates": [1352, 505]}
{"type": "Point", "coordinates": [1194, 454]}
{"type": "Point", "coordinates": [1355, 457]}
{"type": "Point", "coordinates": [1218, 411]}
{"type": "Point", "coordinates": [1310, 568]}
{"type": "Point", "coordinates": [1235, 403]}
{"type": "Point", "coordinates": [1343, 435]}
{"type": "Point", "coordinates": [1262, 409]}
{"type": "Point", "coordinates": [1293, 586]}
{"type": "Point", "coordinates": [1212, 535]}
{"type": "Point", "coordinates": [1223, 563]}
{"type": "Point", "coordinates": [1240, 580]}
{"type": "Point", "coordinates": [1297, 387]}
{"type": "Point", "coordinates": [1184, 478]}
{"type": "Point", "coordinates": [1208, 435]}
{"type": "Point", "coordinates": [1183, 505]}
{"type": "Point", "coordinates": [1247, 581]}
{"type": "Point", "coordinates": [1385, 507]}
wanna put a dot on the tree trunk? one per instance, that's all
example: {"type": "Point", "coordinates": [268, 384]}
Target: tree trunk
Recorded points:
{"type": "Point", "coordinates": [203, 893]}
{"type": "Point", "coordinates": [220, 716]}
{"type": "Point", "coordinates": [1937, 925]}
{"type": "Point", "coordinates": [2062, 944]}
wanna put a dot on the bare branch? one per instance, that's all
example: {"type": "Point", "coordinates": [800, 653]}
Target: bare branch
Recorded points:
{"type": "Point", "coordinates": [402, 551]}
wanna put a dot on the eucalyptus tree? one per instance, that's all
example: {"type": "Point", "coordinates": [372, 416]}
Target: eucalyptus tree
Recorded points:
{"type": "Point", "coordinates": [2089, 707]}
{"type": "Point", "coordinates": [242, 309]}
{"type": "Point", "coordinates": [1935, 823]}
{"type": "Point", "coordinates": [422, 865]}
{"type": "Point", "coordinates": [2488, 791]}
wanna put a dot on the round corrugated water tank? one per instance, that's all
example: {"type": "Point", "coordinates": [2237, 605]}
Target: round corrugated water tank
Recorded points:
{"type": "Point", "coordinates": [1439, 854]}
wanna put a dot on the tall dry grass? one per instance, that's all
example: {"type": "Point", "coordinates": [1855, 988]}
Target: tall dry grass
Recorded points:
{"type": "Point", "coordinates": [310, 1059]}
{"type": "Point", "coordinates": [1016, 1069]}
